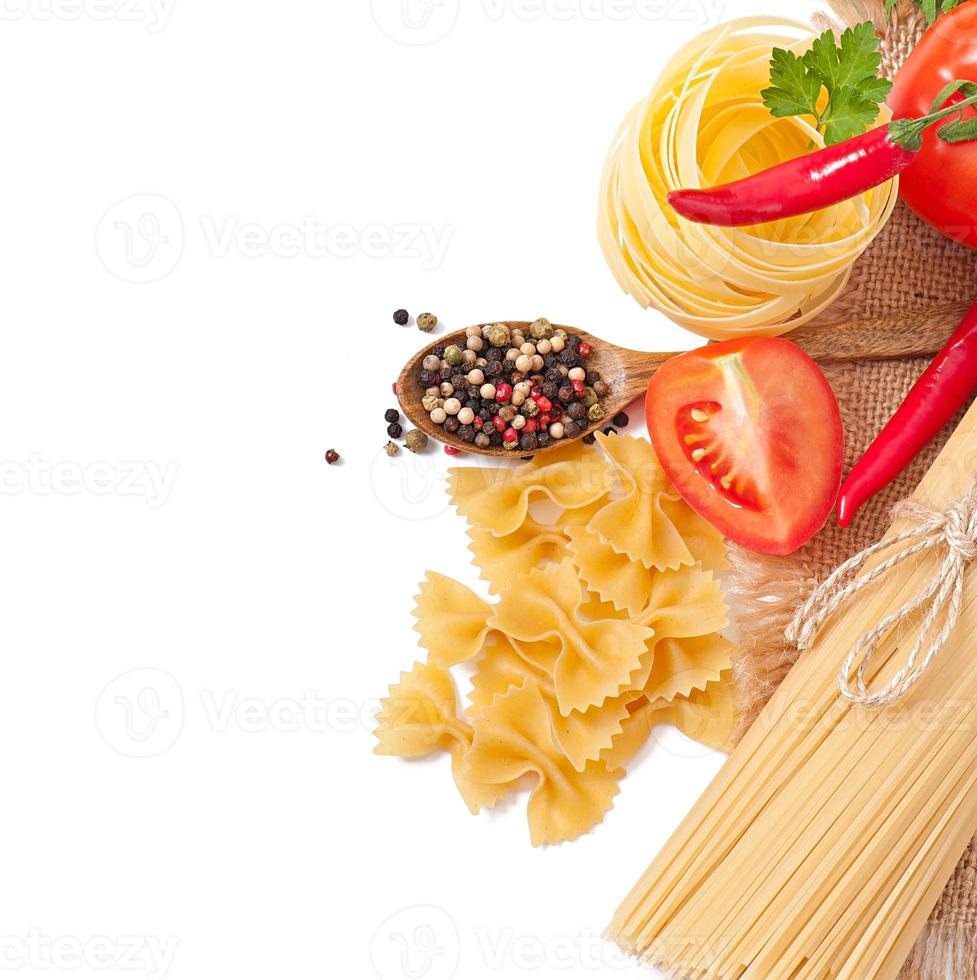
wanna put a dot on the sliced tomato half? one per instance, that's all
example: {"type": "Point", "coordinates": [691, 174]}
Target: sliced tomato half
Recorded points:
{"type": "Point", "coordinates": [750, 433]}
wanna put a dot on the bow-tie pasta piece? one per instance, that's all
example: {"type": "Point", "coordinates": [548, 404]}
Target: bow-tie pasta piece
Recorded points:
{"type": "Point", "coordinates": [680, 667]}
{"type": "Point", "coordinates": [497, 499]}
{"type": "Point", "coordinates": [707, 717]}
{"type": "Point", "coordinates": [501, 559]}
{"type": "Point", "coordinates": [596, 659]}
{"type": "Point", "coordinates": [580, 736]}
{"type": "Point", "coordinates": [451, 620]}
{"type": "Point", "coordinates": [513, 737]}
{"type": "Point", "coordinates": [649, 523]}
{"type": "Point", "coordinates": [419, 718]}
{"type": "Point", "coordinates": [612, 576]}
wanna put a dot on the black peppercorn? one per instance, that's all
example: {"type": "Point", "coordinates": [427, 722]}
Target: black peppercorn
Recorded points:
{"type": "Point", "coordinates": [601, 389]}
{"type": "Point", "coordinates": [401, 317]}
{"type": "Point", "coordinates": [551, 389]}
{"type": "Point", "coordinates": [589, 439]}
{"type": "Point", "coordinates": [543, 439]}
{"type": "Point", "coordinates": [495, 438]}
{"type": "Point", "coordinates": [493, 369]}
{"type": "Point", "coordinates": [592, 378]}
{"type": "Point", "coordinates": [494, 354]}
{"type": "Point", "coordinates": [473, 395]}
{"type": "Point", "coordinates": [459, 382]}
{"type": "Point", "coordinates": [571, 430]}
{"type": "Point", "coordinates": [553, 375]}
{"type": "Point", "coordinates": [573, 341]}
{"type": "Point", "coordinates": [568, 358]}
{"type": "Point", "coordinates": [485, 415]}
{"type": "Point", "coordinates": [451, 424]}
{"type": "Point", "coordinates": [550, 362]}
{"type": "Point", "coordinates": [566, 394]}
{"type": "Point", "coordinates": [492, 408]}
{"type": "Point", "coordinates": [446, 372]}
{"type": "Point", "coordinates": [428, 379]}
{"type": "Point", "coordinates": [395, 430]}
{"type": "Point", "coordinates": [609, 430]}
{"type": "Point", "coordinates": [466, 433]}
{"type": "Point", "coordinates": [577, 411]}
{"type": "Point", "coordinates": [392, 415]}
{"type": "Point", "coordinates": [528, 442]}
{"type": "Point", "coordinates": [516, 377]}
{"type": "Point", "coordinates": [474, 403]}
{"type": "Point", "coordinates": [438, 351]}
{"type": "Point", "coordinates": [621, 420]}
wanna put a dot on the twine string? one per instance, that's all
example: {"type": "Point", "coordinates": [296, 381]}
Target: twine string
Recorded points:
{"type": "Point", "coordinates": [953, 531]}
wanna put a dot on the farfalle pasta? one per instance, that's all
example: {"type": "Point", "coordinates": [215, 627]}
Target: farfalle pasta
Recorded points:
{"type": "Point", "coordinates": [606, 623]}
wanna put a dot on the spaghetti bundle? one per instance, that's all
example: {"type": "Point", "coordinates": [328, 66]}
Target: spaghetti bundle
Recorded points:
{"type": "Point", "coordinates": [826, 840]}
{"type": "Point", "coordinates": [704, 123]}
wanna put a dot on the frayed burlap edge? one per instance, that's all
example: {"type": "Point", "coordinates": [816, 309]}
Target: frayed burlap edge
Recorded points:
{"type": "Point", "coordinates": [909, 267]}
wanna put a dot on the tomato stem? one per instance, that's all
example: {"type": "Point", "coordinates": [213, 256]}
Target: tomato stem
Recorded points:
{"type": "Point", "coordinates": [908, 133]}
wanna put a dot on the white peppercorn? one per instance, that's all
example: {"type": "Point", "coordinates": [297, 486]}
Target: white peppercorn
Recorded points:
{"type": "Point", "coordinates": [431, 402]}
{"type": "Point", "coordinates": [476, 377]}
{"type": "Point", "coordinates": [538, 362]}
{"type": "Point", "coordinates": [416, 441]}
{"type": "Point", "coordinates": [475, 344]}
{"type": "Point", "coordinates": [436, 390]}
{"type": "Point", "coordinates": [524, 363]}
{"type": "Point", "coordinates": [519, 422]}
{"type": "Point", "coordinates": [447, 389]}
{"type": "Point", "coordinates": [557, 344]}
{"type": "Point", "coordinates": [523, 386]}
{"type": "Point", "coordinates": [431, 363]}
{"type": "Point", "coordinates": [473, 331]}
{"type": "Point", "coordinates": [482, 441]}
{"type": "Point", "coordinates": [517, 399]}
{"type": "Point", "coordinates": [466, 416]}
{"type": "Point", "coordinates": [556, 430]}
{"type": "Point", "coordinates": [498, 335]}
{"type": "Point", "coordinates": [391, 449]}
{"type": "Point", "coordinates": [529, 349]}
{"type": "Point", "coordinates": [468, 358]}
{"type": "Point", "coordinates": [487, 392]}
{"type": "Point", "coordinates": [544, 347]}
{"type": "Point", "coordinates": [452, 406]}
{"type": "Point", "coordinates": [511, 354]}
{"type": "Point", "coordinates": [438, 416]}
{"type": "Point", "coordinates": [577, 374]}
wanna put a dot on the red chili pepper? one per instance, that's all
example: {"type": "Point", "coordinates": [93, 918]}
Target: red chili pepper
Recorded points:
{"type": "Point", "coordinates": [818, 180]}
{"type": "Point", "coordinates": [937, 396]}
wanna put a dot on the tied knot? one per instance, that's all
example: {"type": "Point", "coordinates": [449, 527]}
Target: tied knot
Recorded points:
{"type": "Point", "coordinates": [954, 533]}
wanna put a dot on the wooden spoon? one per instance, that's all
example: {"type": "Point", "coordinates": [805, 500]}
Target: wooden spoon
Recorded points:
{"type": "Point", "coordinates": [628, 372]}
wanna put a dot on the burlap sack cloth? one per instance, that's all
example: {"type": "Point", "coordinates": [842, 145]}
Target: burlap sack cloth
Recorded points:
{"type": "Point", "coordinates": [909, 268]}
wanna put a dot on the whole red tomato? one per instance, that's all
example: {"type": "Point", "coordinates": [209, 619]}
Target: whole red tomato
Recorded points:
{"type": "Point", "coordinates": [941, 183]}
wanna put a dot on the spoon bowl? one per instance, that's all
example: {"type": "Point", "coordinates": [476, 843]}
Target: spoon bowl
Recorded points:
{"type": "Point", "coordinates": [626, 372]}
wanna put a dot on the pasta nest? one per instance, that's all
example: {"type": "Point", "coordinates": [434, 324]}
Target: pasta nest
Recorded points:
{"type": "Point", "coordinates": [704, 123]}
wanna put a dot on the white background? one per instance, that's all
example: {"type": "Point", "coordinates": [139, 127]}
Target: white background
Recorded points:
{"type": "Point", "coordinates": [174, 368]}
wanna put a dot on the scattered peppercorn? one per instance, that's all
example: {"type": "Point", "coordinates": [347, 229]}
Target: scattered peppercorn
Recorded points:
{"type": "Point", "coordinates": [401, 318]}
{"type": "Point", "coordinates": [392, 415]}
{"type": "Point", "coordinates": [621, 420]}
{"type": "Point", "coordinates": [609, 430]}
{"type": "Point", "coordinates": [416, 441]}
{"type": "Point", "coordinates": [451, 451]}
{"type": "Point", "coordinates": [395, 430]}
{"type": "Point", "coordinates": [391, 449]}
{"type": "Point", "coordinates": [332, 456]}
{"type": "Point", "coordinates": [426, 322]}
{"type": "Point", "coordinates": [589, 439]}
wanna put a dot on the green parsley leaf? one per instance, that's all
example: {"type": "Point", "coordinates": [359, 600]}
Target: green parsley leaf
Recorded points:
{"type": "Point", "coordinates": [848, 72]}
{"type": "Point", "coordinates": [931, 8]}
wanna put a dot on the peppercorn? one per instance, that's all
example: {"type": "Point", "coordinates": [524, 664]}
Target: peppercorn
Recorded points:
{"type": "Point", "coordinates": [566, 394]}
{"type": "Point", "coordinates": [416, 441]}
{"type": "Point", "coordinates": [482, 441]}
{"type": "Point", "coordinates": [498, 335]}
{"type": "Point", "coordinates": [439, 416]}
{"type": "Point", "coordinates": [401, 317]}
{"type": "Point", "coordinates": [579, 388]}
{"type": "Point", "coordinates": [621, 420]}
{"type": "Point", "coordinates": [557, 430]}
{"type": "Point", "coordinates": [495, 438]}
{"type": "Point", "coordinates": [503, 392]}
{"type": "Point", "coordinates": [601, 389]}
{"type": "Point", "coordinates": [592, 378]}
{"type": "Point", "coordinates": [466, 433]}
{"type": "Point", "coordinates": [557, 343]}
{"type": "Point", "coordinates": [466, 416]}
{"type": "Point", "coordinates": [494, 369]}
{"type": "Point", "coordinates": [426, 322]}
{"type": "Point", "coordinates": [596, 414]}
{"type": "Point", "coordinates": [571, 430]}
{"type": "Point", "coordinates": [332, 456]}
{"type": "Point", "coordinates": [577, 411]}
{"type": "Point", "coordinates": [589, 439]}
{"type": "Point", "coordinates": [391, 449]}
{"type": "Point", "coordinates": [395, 430]}
{"type": "Point", "coordinates": [507, 413]}
{"type": "Point", "coordinates": [551, 390]}
{"type": "Point", "coordinates": [438, 351]}
{"type": "Point", "coordinates": [431, 402]}
{"type": "Point", "coordinates": [584, 350]}
{"type": "Point", "coordinates": [542, 439]}
{"type": "Point", "coordinates": [446, 371]}
{"type": "Point", "coordinates": [510, 439]}
{"type": "Point", "coordinates": [530, 408]}
{"type": "Point", "coordinates": [609, 430]}
{"type": "Point", "coordinates": [528, 442]}
{"type": "Point", "coordinates": [392, 415]}
{"type": "Point", "coordinates": [572, 340]}
{"type": "Point", "coordinates": [459, 382]}
{"type": "Point", "coordinates": [494, 354]}
{"type": "Point", "coordinates": [453, 355]}
{"type": "Point", "coordinates": [452, 451]}
{"type": "Point", "coordinates": [431, 362]}
{"type": "Point", "coordinates": [568, 358]}
{"type": "Point", "coordinates": [541, 329]}
{"type": "Point", "coordinates": [427, 378]}
{"type": "Point", "coordinates": [451, 424]}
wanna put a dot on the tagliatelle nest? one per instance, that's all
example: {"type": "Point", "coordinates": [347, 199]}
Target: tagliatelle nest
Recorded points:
{"type": "Point", "coordinates": [704, 123]}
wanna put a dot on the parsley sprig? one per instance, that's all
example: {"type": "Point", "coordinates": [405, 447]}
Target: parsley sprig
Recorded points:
{"type": "Point", "coordinates": [931, 8]}
{"type": "Point", "coordinates": [848, 72]}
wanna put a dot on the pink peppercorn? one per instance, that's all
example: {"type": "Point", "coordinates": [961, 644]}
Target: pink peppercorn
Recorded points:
{"type": "Point", "coordinates": [544, 420]}
{"type": "Point", "coordinates": [451, 451]}
{"type": "Point", "coordinates": [503, 393]}
{"type": "Point", "coordinates": [535, 391]}
{"type": "Point", "coordinates": [557, 413]}
{"type": "Point", "coordinates": [499, 424]}
{"type": "Point", "coordinates": [579, 388]}
{"type": "Point", "coordinates": [531, 426]}
{"type": "Point", "coordinates": [510, 438]}
{"type": "Point", "coordinates": [584, 350]}
{"type": "Point", "coordinates": [394, 387]}
{"type": "Point", "coordinates": [545, 405]}
{"type": "Point", "coordinates": [478, 422]}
